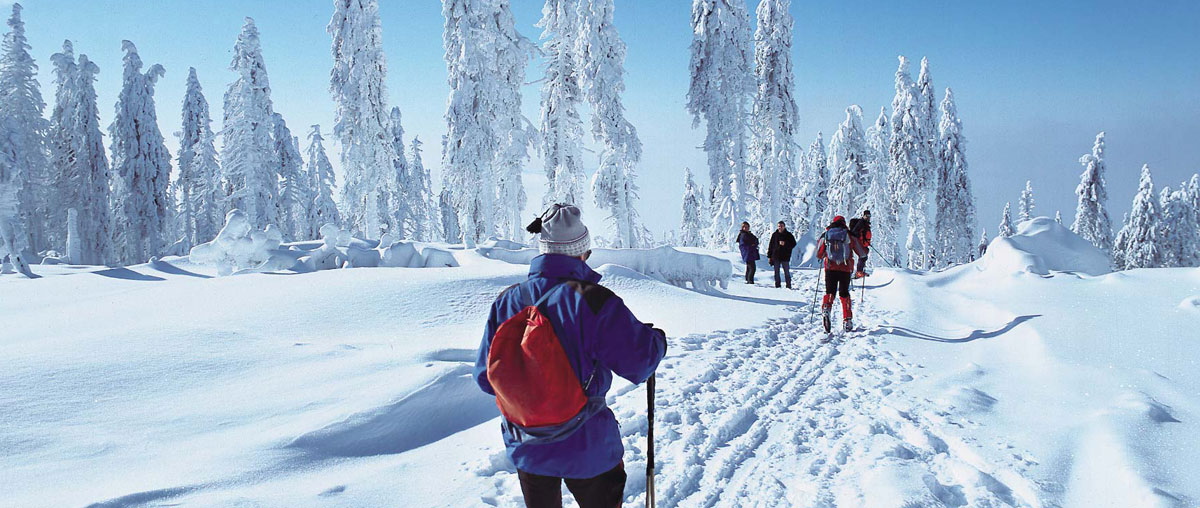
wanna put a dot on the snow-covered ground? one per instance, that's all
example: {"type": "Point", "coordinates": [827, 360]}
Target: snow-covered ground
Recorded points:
{"type": "Point", "coordinates": [1020, 380]}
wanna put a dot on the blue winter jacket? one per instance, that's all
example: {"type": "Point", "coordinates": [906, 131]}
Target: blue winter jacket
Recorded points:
{"type": "Point", "coordinates": [595, 328]}
{"type": "Point", "coordinates": [748, 244]}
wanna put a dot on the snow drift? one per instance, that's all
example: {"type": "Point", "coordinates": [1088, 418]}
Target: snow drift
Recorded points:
{"type": "Point", "coordinates": [1041, 246]}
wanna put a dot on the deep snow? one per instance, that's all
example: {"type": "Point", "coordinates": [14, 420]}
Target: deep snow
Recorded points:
{"type": "Point", "coordinates": [1008, 382]}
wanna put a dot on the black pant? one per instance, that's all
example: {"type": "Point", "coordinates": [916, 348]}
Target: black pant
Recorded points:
{"type": "Point", "coordinates": [604, 491]}
{"type": "Point", "coordinates": [787, 272]}
{"type": "Point", "coordinates": [837, 282]}
{"type": "Point", "coordinates": [862, 262]}
{"type": "Point", "coordinates": [750, 271]}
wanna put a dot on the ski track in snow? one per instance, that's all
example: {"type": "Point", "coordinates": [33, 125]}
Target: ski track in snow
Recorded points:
{"type": "Point", "coordinates": [772, 416]}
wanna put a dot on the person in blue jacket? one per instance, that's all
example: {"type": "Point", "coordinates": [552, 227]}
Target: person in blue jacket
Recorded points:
{"type": "Point", "coordinates": [600, 337]}
{"type": "Point", "coordinates": [748, 244]}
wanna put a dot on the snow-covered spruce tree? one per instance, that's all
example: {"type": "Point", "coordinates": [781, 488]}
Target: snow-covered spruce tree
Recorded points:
{"type": "Point", "coordinates": [775, 115]}
{"type": "Point", "coordinates": [906, 181]}
{"type": "Point", "coordinates": [470, 144]}
{"type": "Point", "coordinates": [200, 181]}
{"type": "Point", "coordinates": [927, 121]}
{"type": "Point", "coordinates": [848, 176]}
{"type": "Point", "coordinates": [78, 160]}
{"type": "Point", "coordinates": [320, 172]}
{"type": "Point", "coordinates": [1177, 228]}
{"type": "Point", "coordinates": [722, 84]}
{"type": "Point", "coordinates": [691, 229]}
{"type": "Point", "coordinates": [1193, 201]}
{"type": "Point", "coordinates": [1025, 205]}
{"type": "Point", "coordinates": [141, 166]}
{"type": "Point", "coordinates": [1058, 217]}
{"type": "Point", "coordinates": [955, 221]}
{"type": "Point", "coordinates": [814, 190]}
{"type": "Point", "coordinates": [1139, 239]}
{"type": "Point", "coordinates": [294, 191]}
{"type": "Point", "coordinates": [603, 59]}
{"type": "Point", "coordinates": [400, 204]}
{"type": "Point", "coordinates": [21, 107]}
{"type": "Point", "coordinates": [983, 241]}
{"type": "Point", "coordinates": [358, 84]}
{"type": "Point", "coordinates": [516, 134]}
{"type": "Point", "coordinates": [562, 128]}
{"type": "Point", "coordinates": [248, 156]}
{"type": "Point", "coordinates": [421, 195]}
{"type": "Point", "coordinates": [1091, 217]}
{"type": "Point", "coordinates": [878, 199]}
{"type": "Point", "coordinates": [1005, 229]}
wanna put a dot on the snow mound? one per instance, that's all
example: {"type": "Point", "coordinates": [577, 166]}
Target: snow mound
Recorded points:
{"type": "Point", "coordinates": [666, 264]}
{"type": "Point", "coordinates": [1041, 246]}
{"type": "Point", "coordinates": [241, 247]}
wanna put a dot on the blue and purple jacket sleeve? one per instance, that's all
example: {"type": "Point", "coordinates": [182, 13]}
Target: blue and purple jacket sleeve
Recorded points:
{"type": "Point", "coordinates": [628, 347]}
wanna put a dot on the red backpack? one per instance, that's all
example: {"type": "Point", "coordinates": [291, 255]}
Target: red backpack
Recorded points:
{"type": "Point", "coordinates": [537, 390]}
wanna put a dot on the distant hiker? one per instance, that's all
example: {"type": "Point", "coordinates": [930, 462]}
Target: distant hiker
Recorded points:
{"type": "Point", "coordinates": [549, 352]}
{"type": "Point", "coordinates": [861, 228]}
{"type": "Point", "coordinates": [748, 243]}
{"type": "Point", "coordinates": [838, 248]}
{"type": "Point", "coordinates": [779, 253]}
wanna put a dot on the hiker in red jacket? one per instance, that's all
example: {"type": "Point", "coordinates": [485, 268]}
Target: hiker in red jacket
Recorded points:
{"type": "Point", "coordinates": [837, 248]}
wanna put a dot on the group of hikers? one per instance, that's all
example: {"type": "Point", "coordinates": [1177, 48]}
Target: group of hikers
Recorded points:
{"type": "Point", "coordinates": [553, 342]}
{"type": "Point", "coordinates": [836, 249]}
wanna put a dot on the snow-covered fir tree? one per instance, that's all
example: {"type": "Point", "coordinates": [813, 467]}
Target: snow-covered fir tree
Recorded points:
{"type": "Point", "coordinates": [425, 225]}
{"type": "Point", "coordinates": [722, 84]}
{"type": "Point", "coordinates": [358, 84]}
{"type": "Point", "coordinates": [1178, 229]}
{"type": "Point", "coordinates": [470, 144]}
{"type": "Point", "coordinates": [141, 166]}
{"type": "Point", "coordinates": [79, 163]}
{"type": "Point", "coordinates": [983, 241]}
{"type": "Point", "coordinates": [955, 221]}
{"type": "Point", "coordinates": [516, 134]}
{"type": "Point", "coordinates": [562, 128]}
{"type": "Point", "coordinates": [1091, 216]}
{"type": "Point", "coordinates": [849, 178]}
{"type": "Point", "coordinates": [691, 228]}
{"type": "Point", "coordinates": [1058, 217]}
{"type": "Point", "coordinates": [927, 121]}
{"type": "Point", "coordinates": [320, 172]}
{"type": "Point", "coordinates": [1005, 229]}
{"type": "Point", "coordinates": [200, 181]}
{"type": "Point", "coordinates": [812, 203]}
{"type": "Point", "coordinates": [399, 188]}
{"type": "Point", "coordinates": [603, 79]}
{"type": "Point", "coordinates": [1025, 205]}
{"type": "Point", "coordinates": [248, 157]}
{"type": "Point", "coordinates": [1138, 243]}
{"type": "Point", "coordinates": [908, 178]}
{"type": "Point", "coordinates": [21, 107]}
{"type": "Point", "coordinates": [775, 115]}
{"type": "Point", "coordinates": [295, 194]}
{"type": "Point", "coordinates": [1192, 194]}
{"type": "Point", "coordinates": [878, 199]}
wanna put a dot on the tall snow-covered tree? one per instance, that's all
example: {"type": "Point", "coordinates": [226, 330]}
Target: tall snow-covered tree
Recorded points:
{"type": "Point", "coordinates": [955, 221]}
{"type": "Point", "coordinates": [1138, 242]}
{"type": "Point", "coordinates": [775, 115]}
{"type": "Point", "coordinates": [1178, 229]}
{"type": "Point", "coordinates": [399, 189]}
{"type": "Point", "coordinates": [79, 163]}
{"type": "Point", "coordinates": [691, 229]}
{"type": "Point", "coordinates": [603, 68]}
{"type": "Point", "coordinates": [1091, 216]}
{"type": "Point", "coordinates": [516, 134]}
{"type": "Point", "coordinates": [294, 192]}
{"type": "Point", "coordinates": [320, 172]}
{"type": "Point", "coordinates": [908, 178]}
{"type": "Point", "coordinates": [141, 165]}
{"type": "Point", "coordinates": [1025, 206]}
{"type": "Point", "coordinates": [202, 188]}
{"type": "Point", "coordinates": [927, 122]}
{"type": "Point", "coordinates": [248, 156]}
{"type": "Point", "coordinates": [848, 175]}
{"type": "Point", "coordinates": [1058, 217]}
{"type": "Point", "coordinates": [812, 202]}
{"type": "Point", "coordinates": [878, 198]}
{"type": "Point", "coordinates": [1006, 226]}
{"type": "Point", "coordinates": [983, 241]}
{"type": "Point", "coordinates": [21, 106]}
{"type": "Point", "coordinates": [358, 84]}
{"type": "Point", "coordinates": [470, 144]}
{"type": "Point", "coordinates": [425, 225]}
{"type": "Point", "coordinates": [562, 128]}
{"type": "Point", "coordinates": [722, 85]}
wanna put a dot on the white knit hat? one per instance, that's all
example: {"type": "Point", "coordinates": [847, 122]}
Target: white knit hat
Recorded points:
{"type": "Point", "coordinates": [561, 231]}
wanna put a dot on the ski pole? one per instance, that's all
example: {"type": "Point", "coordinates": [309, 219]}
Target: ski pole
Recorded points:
{"type": "Point", "coordinates": [650, 442]}
{"type": "Point", "coordinates": [816, 288]}
{"type": "Point", "coordinates": [885, 261]}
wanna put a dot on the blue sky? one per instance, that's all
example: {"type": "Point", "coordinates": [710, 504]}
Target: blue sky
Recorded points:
{"type": "Point", "coordinates": [1034, 81]}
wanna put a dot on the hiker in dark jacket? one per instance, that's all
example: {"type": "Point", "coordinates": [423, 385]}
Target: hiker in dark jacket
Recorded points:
{"type": "Point", "coordinates": [779, 253]}
{"type": "Point", "coordinates": [748, 244]}
{"type": "Point", "coordinates": [838, 240]}
{"type": "Point", "coordinates": [599, 337]}
{"type": "Point", "coordinates": [861, 229]}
